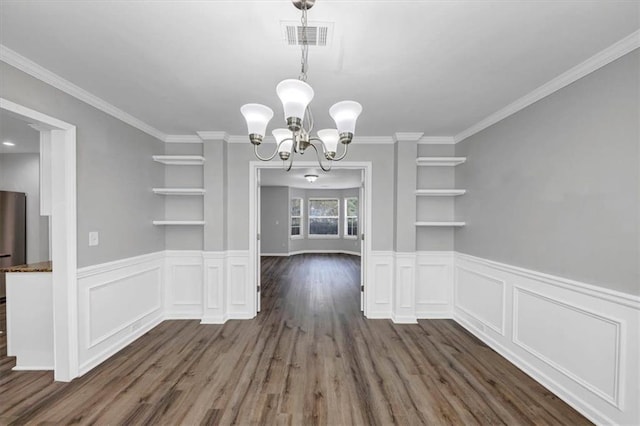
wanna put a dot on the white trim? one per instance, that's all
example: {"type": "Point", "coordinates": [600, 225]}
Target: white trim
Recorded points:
{"type": "Point", "coordinates": [32, 368]}
{"type": "Point", "coordinates": [255, 166]}
{"type": "Point", "coordinates": [28, 66]}
{"type": "Point", "coordinates": [440, 161]}
{"type": "Point", "coordinates": [407, 136]}
{"type": "Point", "coordinates": [296, 252]}
{"type": "Point", "coordinates": [436, 140]}
{"type": "Point", "coordinates": [102, 268]}
{"type": "Point", "coordinates": [63, 235]}
{"type": "Point", "coordinates": [625, 299]}
{"type": "Point", "coordinates": [215, 136]}
{"type": "Point", "coordinates": [182, 139]}
{"type": "Point", "coordinates": [597, 61]}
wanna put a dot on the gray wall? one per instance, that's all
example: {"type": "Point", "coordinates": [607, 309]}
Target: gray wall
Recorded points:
{"type": "Point", "coordinates": [555, 187]}
{"type": "Point", "coordinates": [381, 157]}
{"type": "Point", "coordinates": [115, 172]}
{"type": "Point", "coordinates": [21, 173]}
{"type": "Point", "coordinates": [274, 219]}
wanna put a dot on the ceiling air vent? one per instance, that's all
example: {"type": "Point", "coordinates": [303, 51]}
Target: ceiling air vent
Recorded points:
{"type": "Point", "coordinates": [317, 33]}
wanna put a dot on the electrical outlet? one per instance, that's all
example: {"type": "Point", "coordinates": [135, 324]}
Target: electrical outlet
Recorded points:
{"type": "Point", "coordinates": [94, 239]}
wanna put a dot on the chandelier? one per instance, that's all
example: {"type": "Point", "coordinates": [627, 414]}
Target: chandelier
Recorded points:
{"type": "Point", "coordinates": [295, 95]}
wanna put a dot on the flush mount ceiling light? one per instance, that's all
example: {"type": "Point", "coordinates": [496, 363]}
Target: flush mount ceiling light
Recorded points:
{"type": "Point", "coordinates": [7, 143]}
{"type": "Point", "coordinates": [295, 96]}
{"type": "Point", "coordinates": [311, 178]}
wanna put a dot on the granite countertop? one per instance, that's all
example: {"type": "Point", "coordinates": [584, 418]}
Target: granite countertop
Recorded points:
{"type": "Point", "coordinates": [32, 267]}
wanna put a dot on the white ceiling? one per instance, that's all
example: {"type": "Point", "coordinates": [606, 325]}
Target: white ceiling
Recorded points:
{"type": "Point", "coordinates": [335, 179]}
{"type": "Point", "coordinates": [416, 66]}
{"type": "Point", "coordinates": [17, 131]}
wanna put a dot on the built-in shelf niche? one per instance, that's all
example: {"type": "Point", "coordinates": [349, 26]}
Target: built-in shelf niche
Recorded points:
{"type": "Point", "coordinates": [178, 222]}
{"type": "Point", "coordinates": [439, 192]}
{"type": "Point", "coordinates": [180, 160]}
{"type": "Point", "coordinates": [440, 224]}
{"type": "Point", "coordinates": [440, 161]}
{"type": "Point", "coordinates": [179, 191]}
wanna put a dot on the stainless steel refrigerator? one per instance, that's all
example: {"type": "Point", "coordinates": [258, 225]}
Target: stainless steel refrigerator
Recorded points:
{"type": "Point", "coordinates": [13, 232]}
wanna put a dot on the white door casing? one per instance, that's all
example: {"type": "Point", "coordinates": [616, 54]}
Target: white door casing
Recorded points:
{"type": "Point", "coordinates": [62, 137]}
{"type": "Point", "coordinates": [254, 219]}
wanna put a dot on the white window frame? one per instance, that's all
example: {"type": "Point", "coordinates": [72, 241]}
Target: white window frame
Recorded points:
{"type": "Point", "coordinates": [301, 217]}
{"type": "Point", "coordinates": [322, 236]}
{"type": "Point", "coordinates": [345, 227]}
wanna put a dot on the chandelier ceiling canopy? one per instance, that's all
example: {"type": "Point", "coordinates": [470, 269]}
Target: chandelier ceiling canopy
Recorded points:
{"type": "Point", "coordinates": [296, 95]}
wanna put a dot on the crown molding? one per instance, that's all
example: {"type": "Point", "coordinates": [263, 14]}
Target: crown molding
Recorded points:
{"type": "Point", "coordinates": [407, 136]}
{"type": "Point", "coordinates": [208, 135]}
{"type": "Point", "coordinates": [597, 61]}
{"type": "Point", "coordinates": [436, 140]}
{"type": "Point", "coordinates": [33, 69]}
{"type": "Point", "coordinates": [182, 139]}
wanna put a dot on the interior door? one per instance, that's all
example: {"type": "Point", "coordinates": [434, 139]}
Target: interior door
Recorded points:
{"type": "Point", "coordinates": [258, 249]}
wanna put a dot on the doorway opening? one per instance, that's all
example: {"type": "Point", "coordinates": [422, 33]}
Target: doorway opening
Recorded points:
{"type": "Point", "coordinates": [323, 218]}
{"type": "Point", "coordinates": [59, 140]}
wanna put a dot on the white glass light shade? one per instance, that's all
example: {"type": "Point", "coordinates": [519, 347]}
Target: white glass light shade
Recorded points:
{"type": "Point", "coordinates": [295, 95]}
{"type": "Point", "coordinates": [280, 135]}
{"type": "Point", "coordinates": [257, 116]}
{"type": "Point", "coordinates": [311, 178]}
{"type": "Point", "coordinates": [329, 138]}
{"type": "Point", "coordinates": [345, 114]}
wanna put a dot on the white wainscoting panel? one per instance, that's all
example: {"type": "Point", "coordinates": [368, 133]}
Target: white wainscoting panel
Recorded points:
{"type": "Point", "coordinates": [215, 308]}
{"type": "Point", "coordinates": [183, 284]}
{"type": "Point", "coordinates": [481, 297]}
{"type": "Point", "coordinates": [434, 284]}
{"type": "Point", "coordinates": [118, 302]}
{"type": "Point", "coordinates": [379, 285]}
{"type": "Point", "coordinates": [241, 293]}
{"type": "Point", "coordinates": [404, 289]}
{"type": "Point", "coordinates": [578, 340]}
{"type": "Point", "coordinates": [572, 353]}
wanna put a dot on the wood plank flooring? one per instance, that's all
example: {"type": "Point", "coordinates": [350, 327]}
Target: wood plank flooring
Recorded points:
{"type": "Point", "coordinates": [308, 358]}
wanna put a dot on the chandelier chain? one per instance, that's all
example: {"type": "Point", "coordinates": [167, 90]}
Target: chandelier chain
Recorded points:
{"type": "Point", "coordinates": [304, 60]}
{"type": "Point", "coordinates": [304, 66]}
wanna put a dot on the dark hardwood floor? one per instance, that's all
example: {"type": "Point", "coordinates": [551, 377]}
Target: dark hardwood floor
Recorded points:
{"type": "Point", "coordinates": [308, 358]}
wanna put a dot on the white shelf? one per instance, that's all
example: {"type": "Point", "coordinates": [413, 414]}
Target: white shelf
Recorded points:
{"type": "Point", "coordinates": [440, 161]}
{"type": "Point", "coordinates": [178, 222]}
{"type": "Point", "coordinates": [440, 223]}
{"type": "Point", "coordinates": [179, 191]}
{"type": "Point", "coordinates": [180, 160]}
{"type": "Point", "coordinates": [439, 192]}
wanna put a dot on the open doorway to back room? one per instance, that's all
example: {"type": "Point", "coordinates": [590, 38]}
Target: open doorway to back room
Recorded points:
{"type": "Point", "coordinates": [310, 248]}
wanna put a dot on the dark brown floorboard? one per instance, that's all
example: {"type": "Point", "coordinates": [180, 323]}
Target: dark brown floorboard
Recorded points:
{"type": "Point", "coordinates": [309, 357]}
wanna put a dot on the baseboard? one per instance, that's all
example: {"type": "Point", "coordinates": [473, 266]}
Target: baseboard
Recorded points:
{"type": "Point", "coordinates": [117, 347]}
{"type": "Point", "coordinates": [32, 368]}
{"type": "Point", "coordinates": [294, 253]}
{"type": "Point", "coordinates": [214, 319]}
{"type": "Point", "coordinates": [404, 319]}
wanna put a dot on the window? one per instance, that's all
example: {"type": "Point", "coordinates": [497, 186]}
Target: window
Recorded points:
{"type": "Point", "coordinates": [351, 217]}
{"type": "Point", "coordinates": [296, 218]}
{"type": "Point", "coordinates": [324, 217]}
